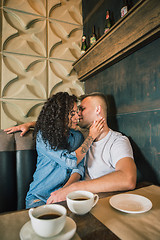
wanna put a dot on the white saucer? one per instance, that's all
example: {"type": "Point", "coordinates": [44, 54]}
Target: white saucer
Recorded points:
{"type": "Point", "coordinates": [27, 233]}
{"type": "Point", "coordinates": [130, 203]}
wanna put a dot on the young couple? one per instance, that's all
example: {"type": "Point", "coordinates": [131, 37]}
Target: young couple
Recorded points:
{"type": "Point", "coordinates": [105, 158]}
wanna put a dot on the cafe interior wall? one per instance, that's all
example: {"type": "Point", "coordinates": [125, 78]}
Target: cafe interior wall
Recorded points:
{"type": "Point", "coordinates": [40, 40]}
{"type": "Point", "coordinates": [132, 87]}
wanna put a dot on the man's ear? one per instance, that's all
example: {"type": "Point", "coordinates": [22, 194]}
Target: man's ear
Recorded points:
{"type": "Point", "coordinates": [98, 109]}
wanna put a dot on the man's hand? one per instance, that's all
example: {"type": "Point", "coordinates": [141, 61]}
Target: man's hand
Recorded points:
{"type": "Point", "coordinates": [58, 196]}
{"type": "Point", "coordinates": [23, 128]}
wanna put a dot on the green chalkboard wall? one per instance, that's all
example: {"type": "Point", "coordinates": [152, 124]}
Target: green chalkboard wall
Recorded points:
{"type": "Point", "coordinates": [132, 87]}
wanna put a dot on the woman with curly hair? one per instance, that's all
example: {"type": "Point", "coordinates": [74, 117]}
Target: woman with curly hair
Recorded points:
{"type": "Point", "coordinates": [60, 148]}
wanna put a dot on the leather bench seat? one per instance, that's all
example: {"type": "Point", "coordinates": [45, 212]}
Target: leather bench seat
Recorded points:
{"type": "Point", "coordinates": [17, 165]}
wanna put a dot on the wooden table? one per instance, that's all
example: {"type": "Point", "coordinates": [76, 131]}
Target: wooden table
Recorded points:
{"type": "Point", "coordinates": [88, 226]}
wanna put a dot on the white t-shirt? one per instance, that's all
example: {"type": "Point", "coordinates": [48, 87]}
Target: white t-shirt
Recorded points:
{"type": "Point", "coordinates": [103, 155]}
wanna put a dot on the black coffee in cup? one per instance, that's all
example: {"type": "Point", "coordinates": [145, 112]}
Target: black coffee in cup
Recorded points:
{"type": "Point", "coordinates": [49, 216]}
{"type": "Point", "coordinates": [80, 198]}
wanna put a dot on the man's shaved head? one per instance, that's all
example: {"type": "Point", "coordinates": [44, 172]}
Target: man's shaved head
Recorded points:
{"type": "Point", "coordinates": [98, 99]}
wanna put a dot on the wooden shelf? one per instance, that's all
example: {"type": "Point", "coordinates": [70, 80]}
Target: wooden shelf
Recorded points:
{"type": "Point", "coordinates": [137, 28]}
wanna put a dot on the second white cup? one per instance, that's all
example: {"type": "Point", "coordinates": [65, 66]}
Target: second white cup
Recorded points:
{"type": "Point", "coordinates": [81, 202]}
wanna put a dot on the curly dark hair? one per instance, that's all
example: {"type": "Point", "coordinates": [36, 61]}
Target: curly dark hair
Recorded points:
{"type": "Point", "coordinates": [53, 120]}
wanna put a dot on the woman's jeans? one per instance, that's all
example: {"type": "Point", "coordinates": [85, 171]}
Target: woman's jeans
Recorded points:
{"type": "Point", "coordinates": [33, 202]}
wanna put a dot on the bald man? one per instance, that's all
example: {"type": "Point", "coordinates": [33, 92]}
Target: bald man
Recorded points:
{"type": "Point", "coordinates": [109, 161]}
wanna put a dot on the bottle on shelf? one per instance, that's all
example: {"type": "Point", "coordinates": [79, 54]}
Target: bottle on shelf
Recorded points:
{"type": "Point", "coordinates": [93, 37]}
{"type": "Point", "coordinates": [83, 45]}
{"type": "Point", "coordinates": [108, 22]}
{"type": "Point", "coordinates": [124, 8]}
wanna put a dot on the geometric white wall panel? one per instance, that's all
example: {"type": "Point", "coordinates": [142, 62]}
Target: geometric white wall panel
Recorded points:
{"type": "Point", "coordinates": [32, 6]}
{"type": "Point", "coordinates": [23, 77]}
{"type": "Point", "coordinates": [69, 87]}
{"type": "Point", "coordinates": [68, 38]}
{"type": "Point", "coordinates": [25, 34]}
{"type": "Point", "coordinates": [40, 40]}
{"type": "Point", "coordinates": [62, 77]}
{"type": "Point", "coordinates": [69, 11]}
{"type": "Point", "coordinates": [19, 111]}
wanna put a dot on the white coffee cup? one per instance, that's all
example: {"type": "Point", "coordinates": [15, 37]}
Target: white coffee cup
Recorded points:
{"type": "Point", "coordinates": [81, 202]}
{"type": "Point", "coordinates": [53, 224]}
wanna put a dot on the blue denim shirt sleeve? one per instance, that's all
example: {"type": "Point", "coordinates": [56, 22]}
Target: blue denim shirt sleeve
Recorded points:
{"type": "Point", "coordinates": [63, 157]}
{"type": "Point", "coordinates": [80, 169]}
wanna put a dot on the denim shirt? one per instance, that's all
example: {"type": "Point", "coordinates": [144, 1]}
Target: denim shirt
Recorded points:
{"type": "Point", "coordinates": [54, 168]}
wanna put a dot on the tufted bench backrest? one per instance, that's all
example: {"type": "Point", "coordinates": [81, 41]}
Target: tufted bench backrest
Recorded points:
{"type": "Point", "coordinates": [17, 165]}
